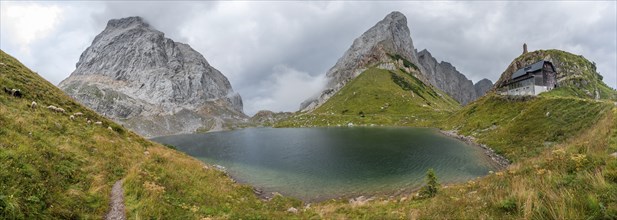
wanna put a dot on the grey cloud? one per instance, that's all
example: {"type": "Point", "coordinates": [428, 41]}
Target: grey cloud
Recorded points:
{"type": "Point", "coordinates": [251, 42]}
{"type": "Point", "coordinates": [484, 41]}
{"type": "Point", "coordinates": [168, 16]}
{"type": "Point", "coordinates": [54, 56]}
{"type": "Point", "coordinates": [282, 89]}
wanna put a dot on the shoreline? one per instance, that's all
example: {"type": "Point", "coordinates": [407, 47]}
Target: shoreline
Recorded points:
{"type": "Point", "coordinates": [500, 160]}
{"type": "Point", "coordinates": [389, 195]}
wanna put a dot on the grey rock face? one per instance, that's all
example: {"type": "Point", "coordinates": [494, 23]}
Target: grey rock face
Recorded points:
{"type": "Point", "coordinates": [266, 117]}
{"type": "Point", "coordinates": [151, 84]}
{"type": "Point", "coordinates": [445, 77]}
{"type": "Point", "coordinates": [389, 36]}
{"type": "Point", "coordinates": [482, 87]}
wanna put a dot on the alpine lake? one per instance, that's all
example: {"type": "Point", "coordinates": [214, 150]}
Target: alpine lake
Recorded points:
{"type": "Point", "coordinates": [315, 164]}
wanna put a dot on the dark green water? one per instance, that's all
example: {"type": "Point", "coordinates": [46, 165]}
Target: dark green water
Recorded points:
{"type": "Point", "coordinates": [322, 163]}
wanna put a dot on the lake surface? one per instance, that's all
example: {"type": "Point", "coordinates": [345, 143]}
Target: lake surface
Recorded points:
{"type": "Point", "coordinates": [323, 163]}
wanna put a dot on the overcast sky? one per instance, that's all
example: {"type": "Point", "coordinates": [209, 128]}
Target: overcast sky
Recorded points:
{"type": "Point", "coordinates": [275, 54]}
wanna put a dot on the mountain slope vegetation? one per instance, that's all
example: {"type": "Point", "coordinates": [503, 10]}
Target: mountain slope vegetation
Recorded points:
{"type": "Point", "coordinates": [520, 127]}
{"type": "Point", "coordinates": [53, 167]}
{"type": "Point", "coordinates": [562, 166]}
{"type": "Point", "coordinates": [380, 97]}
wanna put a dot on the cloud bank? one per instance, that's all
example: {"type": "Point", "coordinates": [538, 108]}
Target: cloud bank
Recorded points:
{"type": "Point", "coordinates": [276, 54]}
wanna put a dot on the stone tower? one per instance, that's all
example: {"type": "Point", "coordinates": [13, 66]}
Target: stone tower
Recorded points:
{"type": "Point", "coordinates": [524, 48]}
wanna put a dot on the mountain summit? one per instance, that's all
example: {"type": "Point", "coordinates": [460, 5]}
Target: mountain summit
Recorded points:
{"type": "Point", "coordinates": [390, 40]}
{"type": "Point", "coordinates": [135, 75]}
{"type": "Point", "coordinates": [389, 36]}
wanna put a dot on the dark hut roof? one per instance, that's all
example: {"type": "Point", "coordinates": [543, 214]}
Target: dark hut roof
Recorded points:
{"type": "Point", "coordinates": [528, 69]}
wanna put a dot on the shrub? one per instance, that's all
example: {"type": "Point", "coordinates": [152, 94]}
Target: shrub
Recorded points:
{"type": "Point", "coordinates": [401, 82]}
{"type": "Point", "coordinates": [430, 189]}
{"type": "Point", "coordinates": [508, 205]}
{"type": "Point", "coordinates": [170, 146]}
{"type": "Point", "coordinates": [118, 128]}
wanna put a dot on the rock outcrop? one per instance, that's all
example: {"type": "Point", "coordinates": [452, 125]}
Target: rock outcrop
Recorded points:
{"type": "Point", "coordinates": [268, 118]}
{"type": "Point", "coordinates": [133, 74]}
{"type": "Point", "coordinates": [387, 38]}
{"type": "Point", "coordinates": [445, 77]}
{"type": "Point", "coordinates": [482, 87]}
{"type": "Point", "coordinates": [574, 72]}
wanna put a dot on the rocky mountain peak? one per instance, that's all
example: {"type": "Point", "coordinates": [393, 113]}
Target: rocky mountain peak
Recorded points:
{"type": "Point", "coordinates": [446, 77]}
{"type": "Point", "coordinates": [447, 65]}
{"type": "Point", "coordinates": [388, 37]}
{"type": "Point", "coordinates": [482, 87]}
{"type": "Point", "coordinates": [127, 22]}
{"type": "Point", "coordinates": [387, 42]}
{"type": "Point", "coordinates": [396, 16]}
{"type": "Point", "coordinates": [425, 52]}
{"type": "Point", "coordinates": [134, 75]}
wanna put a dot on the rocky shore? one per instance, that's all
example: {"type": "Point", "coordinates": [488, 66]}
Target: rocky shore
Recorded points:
{"type": "Point", "coordinates": [502, 161]}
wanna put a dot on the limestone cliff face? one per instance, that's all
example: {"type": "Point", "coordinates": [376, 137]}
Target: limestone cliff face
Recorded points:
{"type": "Point", "coordinates": [390, 36]}
{"type": "Point", "coordinates": [445, 77]}
{"type": "Point", "coordinates": [151, 84]}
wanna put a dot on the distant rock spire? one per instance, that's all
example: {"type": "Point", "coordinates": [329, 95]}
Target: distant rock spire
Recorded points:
{"type": "Point", "coordinates": [524, 48]}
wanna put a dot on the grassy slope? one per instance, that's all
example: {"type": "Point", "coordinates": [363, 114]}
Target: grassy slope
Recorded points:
{"type": "Point", "coordinates": [576, 179]}
{"type": "Point", "coordinates": [384, 98]}
{"type": "Point", "coordinates": [52, 166]}
{"type": "Point", "coordinates": [572, 179]}
{"type": "Point", "coordinates": [55, 168]}
{"type": "Point", "coordinates": [519, 128]}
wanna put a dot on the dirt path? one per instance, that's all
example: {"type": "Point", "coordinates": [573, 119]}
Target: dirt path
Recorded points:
{"type": "Point", "coordinates": [116, 205]}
